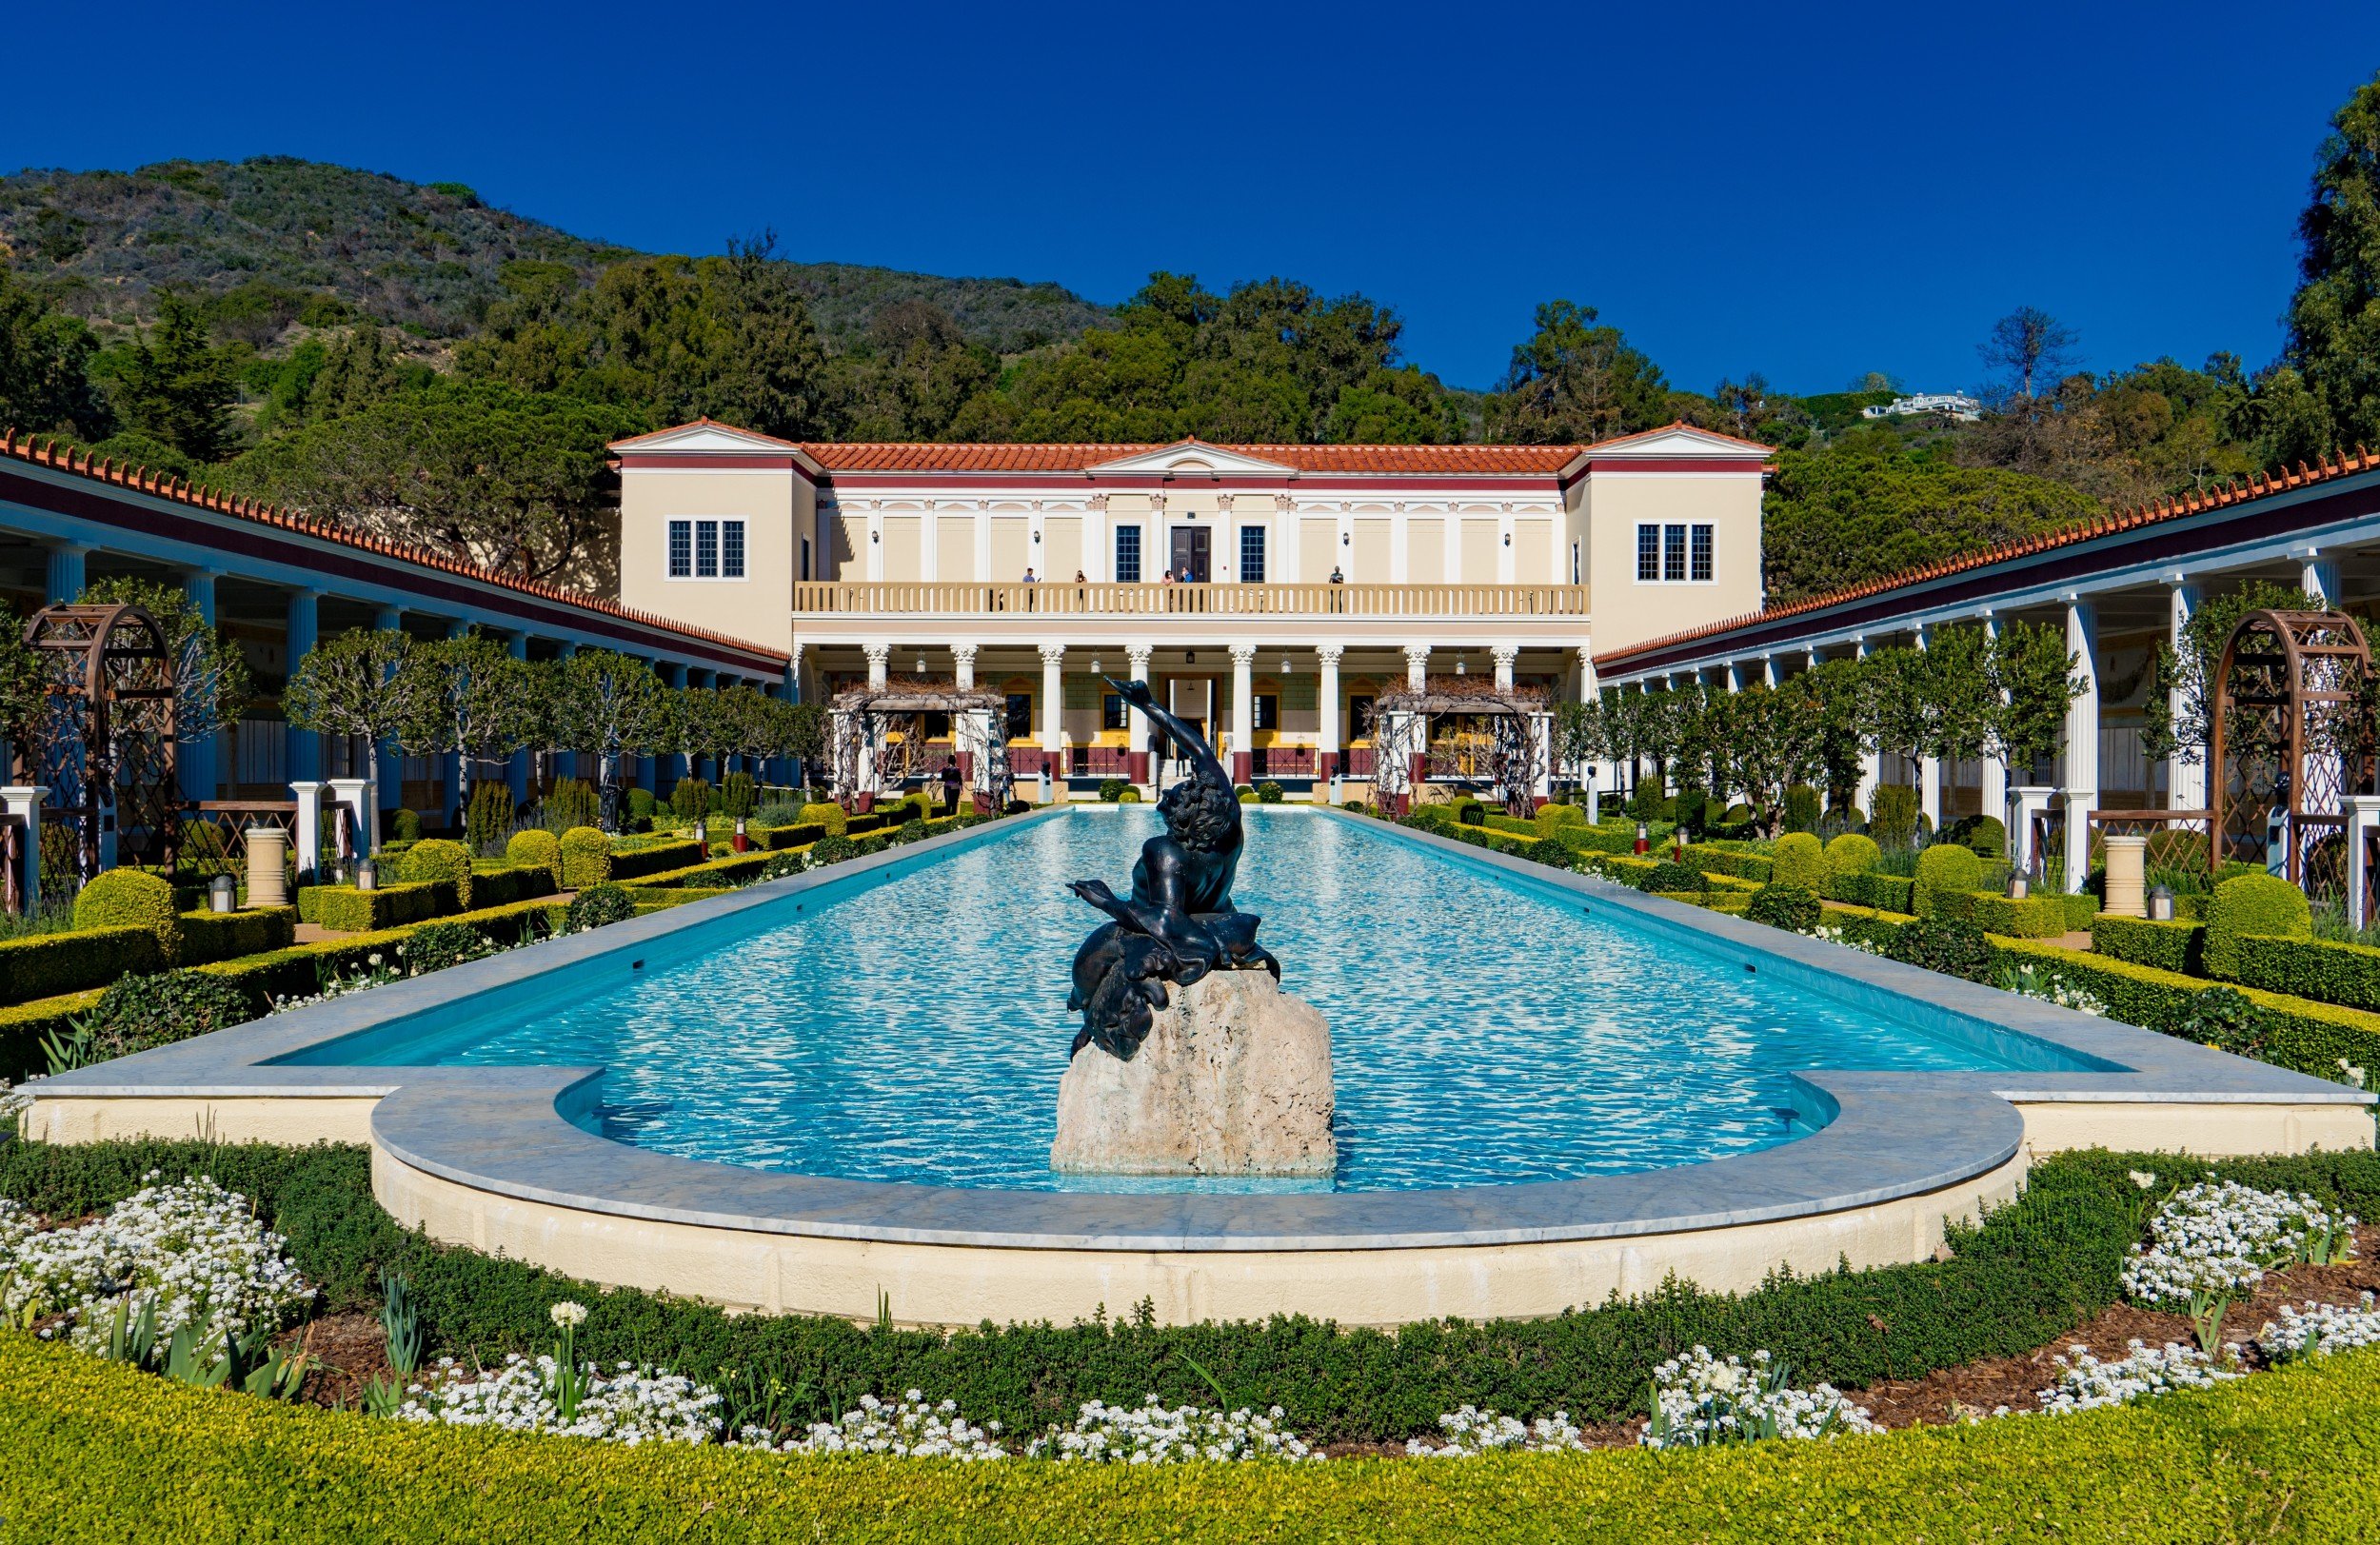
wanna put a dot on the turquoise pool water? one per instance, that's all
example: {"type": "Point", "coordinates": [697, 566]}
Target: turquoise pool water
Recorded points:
{"type": "Point", "coordinates": [1486, 1030]}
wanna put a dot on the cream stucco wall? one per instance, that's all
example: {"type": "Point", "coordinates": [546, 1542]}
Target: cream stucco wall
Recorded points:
{"type": "Point", "coordinates": [779, 508]}
{"type": "Point", "coordinates": [1614, 504]}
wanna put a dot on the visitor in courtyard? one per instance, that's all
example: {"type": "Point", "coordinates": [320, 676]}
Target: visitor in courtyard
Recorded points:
{"type": "Point", "coordinates": [950, 786]}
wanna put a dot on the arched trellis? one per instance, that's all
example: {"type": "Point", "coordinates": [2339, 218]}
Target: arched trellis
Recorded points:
{"type": "Point", "coordinates": [105, 745]}
{"type": "Point", "coordinates": [2290, 742]}
{"type": "Point", "coordinates": [1512, 757]}
{"type": "Point", "coordinates": [879, 736]}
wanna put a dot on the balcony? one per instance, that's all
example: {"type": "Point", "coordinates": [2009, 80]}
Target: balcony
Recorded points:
{"type": "Point", "coordinates": [1064, 598]}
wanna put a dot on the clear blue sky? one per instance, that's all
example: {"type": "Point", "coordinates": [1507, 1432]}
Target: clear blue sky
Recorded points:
{"type": "Point", "coordinates": [1813, 192]}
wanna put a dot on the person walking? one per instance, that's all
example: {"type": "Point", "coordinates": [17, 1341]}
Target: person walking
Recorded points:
{"type": "Point", "coordinates": [950, 786]}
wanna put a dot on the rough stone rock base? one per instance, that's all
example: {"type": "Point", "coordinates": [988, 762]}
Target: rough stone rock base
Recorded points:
{"type": "Point", "coordinates": [1233, 1078]}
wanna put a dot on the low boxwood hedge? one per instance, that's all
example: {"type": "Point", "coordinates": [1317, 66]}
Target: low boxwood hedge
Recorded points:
{"type": "Point", "coordinates": [655, 858]}
{"type": "Point", "coordinates": [2322, 969]}
{"type": "Point", "coordinates": [297, 971]}
{"type": "Point", "coordinates": [2025, 1275]}
{"type": "Point", "coordinates": [211, 936]}
{"type": "Point", "coordinates": [2169, 946]}
{"type": "Point", "coordinates": [130, 899]}
{"type": "Point", "coordinates": [778, 838]}
{"type": "Point", "coordinates": [501, 884]}
{"type": "Point", "coordinates": [43, 965]}
{"type": "Point", "coordinates": [1867, 925]}
{"type": "Point", "coordinates": [2256, 903]}
{"type": "Point", "coordinates": [1756, 868]}
{"type": "Point", "coordinates": [25, 1026]}
{"type": "Point", "coordinates": [2035, 917]}
{"type": "Point", "coordinates": [343, 909]}
{"type": "Point", "coordinates": [1886, 893]}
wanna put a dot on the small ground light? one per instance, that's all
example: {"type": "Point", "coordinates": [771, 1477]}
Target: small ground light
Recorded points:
{"type": "Point", "coordinates": [366, 875]}
{"type": "Point", "coordinates": [2018, 886]}
{"type": "Point", "coordinates": [2160, 904]}
{"type": "Point", "coordinates": [1644, 838]}
{"type": "Point", "coordinates": [222, 894]}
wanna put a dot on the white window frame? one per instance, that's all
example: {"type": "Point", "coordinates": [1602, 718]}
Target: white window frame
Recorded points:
{"type": "Point", "coordinates": [1677, 553]}
{"type": "Point", "coordinates": [693, 527]}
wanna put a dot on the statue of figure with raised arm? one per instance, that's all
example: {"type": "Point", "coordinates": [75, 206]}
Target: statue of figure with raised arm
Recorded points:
{"type": "Point", "coordinates": [1179, 923]}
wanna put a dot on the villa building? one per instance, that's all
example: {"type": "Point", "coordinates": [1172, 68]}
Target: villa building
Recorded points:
{"type": "Point", "coordinates": [1269, 593]}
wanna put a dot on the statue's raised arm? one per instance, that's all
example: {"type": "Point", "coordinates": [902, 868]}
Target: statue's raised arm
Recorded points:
{"type": "Point", "coordinates": [1193, 744]}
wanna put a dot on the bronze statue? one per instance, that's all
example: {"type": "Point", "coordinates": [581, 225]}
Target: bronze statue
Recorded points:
{"type": "Point", "coordinates": [1179, 923]}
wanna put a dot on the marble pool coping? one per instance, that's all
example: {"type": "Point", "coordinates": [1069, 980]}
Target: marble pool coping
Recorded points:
{"type": "Point", "coordinates": [509, 1132]}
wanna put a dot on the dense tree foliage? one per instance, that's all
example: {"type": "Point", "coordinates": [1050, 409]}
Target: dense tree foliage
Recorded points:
{"type": "Point", "coordinates": [45, 366]}
{"type": "Point", "coordinates": [1576, 379]}
{"type": "Point", "coordinates": [2334, 320]}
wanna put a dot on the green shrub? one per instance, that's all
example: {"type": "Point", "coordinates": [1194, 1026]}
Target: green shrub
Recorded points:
{"type": "Point", "coordinates": [1548, 852]}
{"type": "Point", "coordinates": [692, 798]}
{"type": "Point", "coordinates": [1269, 792]}
{"type": "Point", "coordinates": [441, 862]}
{"type": "Point", "coordinates": [829, 815]}
{"type": "Point", "coordinates": [2035, 917]}
{"type": "Point", "coordinates": [738, 796]}
{"type": "Point", "coordinates": [1757, 867]}
{"type": "Point", "coordinates": [1801, 809]}
{"type": "Point", "coordinates": [1666, 875]}
{"type": "Point", "coordinates": [1736, 815]}
{"type": "Point", "coordinates": [1551, 818]}
{"type": "Point", "coordinates": [599, 905]}
{"type": "Point", "coordinates": [210, 936]}
{"type": "Point", "coordinates": [140, 1012]}
{"type": "Point", "coordinates": [2229, 1020]}
{"type": "Point", "coordinates": [1986, 835]}
{"type": "Point", "coordinates": [653, 857]}
{"type": "Point", "coordinates": [1795, 908]}
{"type": "Point", "coordinates": [833, 848]}
{"type": "Point", "coordinates": [1892, 822]}
{"type": "Point", "coordinates": [43, 965]}
{"type": "Point", "coordinates": [405, 825]}
{"type": "Point", "coordinates": [128, 899]}
{"type": "Point", "coordinates": [1949, 946]}
{"type": "Point", "coordinates": [487, 817]}
{"type": "Point", "coordinates": [2324, 970]}
{"type": "Point", "coordinates": [587, 858]}
{"type": "Point", "coordinates": [1112, 791]}
{"type": "Point", "coordinates": [203, 854]}
{"type": "Point", "coordinates": [571, 803]}
{"type": "Point", "coordinates": [1468, 813]}
{"type": "Point", "coordinates": [1130, 796]}
{"type": "Point", "coordinates": [344, 909]}
{"type": "Point", "coordinates": [1693, 807]}
{"type": "Point", "coordinates": [1944, 869]}
{"type": "Point", "coordinates": [539, 847]}
{"type": "Point", "coordinates": [435, 946]}
{"type": "Point", "coordinates": [1889, 893]}
{"type": "Point", "coordinates": [1799, 860]}
{"type": "Point", "coordinates": [1850, 854]}
{"type": "Point", "coordinates": [497, 883]}
{"type": "Point", "coordinates": [1869, 927]}
{"type": "Point", "coordinates": [783, 837]}
{"type": "Point", "coordinates": [2256, 903]}
{"type": "Point", "coordinates": [2169, 946]}
{"type": "Point", "coordinates": [642, 805]}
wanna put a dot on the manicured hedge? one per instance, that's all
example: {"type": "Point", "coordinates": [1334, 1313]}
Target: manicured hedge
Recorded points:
{"type": "Point", "coordinates": [588, 858]}
{"type": "Point", "coordinates": [2035, 917]}
{"type": "Point", "coordinates": [23, 1026]}
{"type": "Point", "coordinates": [209, 935]}
{"type": "Point", "coordinates": [1944, 871]}
{"type": "Point", "coordinates": [295, 972]}
{"type": "Point", "coordinates": [502, 885]}
{"type": "Point", "coordinates": [2169, 946]}
{"type": "Point", "coordinates": [129, 898]}
{"type": "Point", "coordinates": [2309, 1037]}
{"type": "Point", "coordinates": [538, 847]}
{"type": "Point", "coordinates": [43, 965]}
{"type": "Point", "coordinates": [1866, 925]}
{"type": "Point", "coordinates": [1757, 867]}
{"type": "Point", "coordinates": [2081, 906]}
{"type": "Point", "coordinates": [1887, 893]}
{"type": "Point", "coordinates": [2321, 969]}
{"type": "Point", "coordinates": [777, 838]}
{"type": "Point", "coordinates": [105, 1452]}
{"type": "Point", "coordinates": [735, 869]}
{"type": "Point", "coordinates": [827, 814]}
{"type": "Point", "coordinates": [438, 861]}
{"type": "Point", "coordinates": [657, 858]}
{"type": "Point", "coordinates": [344, 909]}
{"type": "Point", "coordinates": [1799, 860]}
{"type": "Point", "coordinates": [858, 825]}
{"type": "Point", "coordinates": [2252, 905]}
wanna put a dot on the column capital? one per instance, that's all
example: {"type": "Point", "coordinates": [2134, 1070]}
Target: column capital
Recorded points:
{"type": "Point", "coordinates": [1053, 654]}
{"type": "Point", "coordinates": [877, 654]}
{"type": "Point", "coordinates": [1244, 654]}
{"type": "Point", "coordinates": [965, 653]}
{"type": "Point", "coordinates": [1418, 654]}
{"type": "Point", "coordinates": [1139, 655]}
{"type": "Point", "coordinates": [1330, 654]}
{"type": "Point", "coordinates": [1504, 654]}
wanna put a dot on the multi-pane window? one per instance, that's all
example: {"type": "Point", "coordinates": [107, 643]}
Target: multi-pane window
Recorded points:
{"type": "Point", "coordinates": [1252, 554]}
{"type": "Point", "coordinates": [1020, 715]}
{"type": "Point", "coordinates": [1113, 714]}
{"type": "Point", "coordinates": [705, 549]}
{"type": "Point", "coordinates": [1675, 554]}
{"type": "Point", "coordinates": [1359, 714]}
{"type": "Point", "coordinates": [1128, 557]}
{"type": "Point", "coordinates": [1265, 710]}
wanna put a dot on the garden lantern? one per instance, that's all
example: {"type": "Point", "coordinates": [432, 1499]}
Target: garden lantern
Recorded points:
{"type": "Point", "coordinates": [2160, 904]}
{"type": "Point", "coordinates": [2018, 886]}
{"type": "Point", "coordinates": [1644, 838]}
{"type": "Point", "coordinates": [743, 844]}
{"type": "Point", "coordinates": [366, 875]}
{"type": "Point", "coordinates": [222, 894]}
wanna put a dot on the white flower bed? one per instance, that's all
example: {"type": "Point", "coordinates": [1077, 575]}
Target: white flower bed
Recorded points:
{"type": "Point", "coordinates": [622, 1407]}
{"type": "Point", "coordinates": [2318, 1329]}
{"type": "Point", "coordinates": [192, 1249]}
{"type": "Point", "coordinates": [1156, 1433]}
{"type": "Point", "coordinates": [2210, 1241]}
{"type": "Point", "coordinates": [2086, 1383]}
{"type": "Point", "coordinates": [1471, 1432]}
{"type": "Point", "coordinates": [1699, 1400]}
{"type": "Point", "coordinates": [910, 1428]}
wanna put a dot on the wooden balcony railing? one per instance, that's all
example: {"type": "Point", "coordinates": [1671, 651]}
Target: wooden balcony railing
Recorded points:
{"type": "Point", "coordinates": [1066, 598]}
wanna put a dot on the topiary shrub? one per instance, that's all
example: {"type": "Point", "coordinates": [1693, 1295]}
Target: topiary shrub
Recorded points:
{"type": "Point", "coordinates": [1951, 945]}
{"type": "Point", "coordinates": [571, 803]}
{"type": "Point", "coordinates": [1986, 835]}
{"type": "Point", "coordinates": [435, 946]}
{"type": "Point", "coordinates": [1551, 817]}
{"type": "Point", "coordinates": [1645, 800]}
{"type": "Point", "coordinates": [540, 848]}
{"type": "Point", "coordinates": [1269, 792]}
{"type": "Point", "coordinates": [140, 1012]}
{"type": "Point", "coordinates": [405, 825]}
{"type": "Point", "coordinates": [129, 898]}
{"type": "Point", "coordinates": [692, 798]}
{"type": "Point", "coordinates": [440, 863]}
{"type": "Point", "coordinates": [1130, 796]}
{"type": "Point", "coordinates": [487, 818]}
{"type": "Point", "coordinates": [1247, 795]}
{"type": "Point", "coordinates": [739, 795]}
{"type": "Point", "coordinates": [829, 815]}
{"type": "Point", "coordinates": [1792, 908]}
{"type": "Point", "coordinates": [597, 906]}
{"type": "Point", "coordinates": [1736, 815]}
{"type": "Point", "coordinates": [1801, 809]}
{"type": "Point", "coordinates": [1892, 822]}
{"type": "Point", "coordinates": [1112, 791]}
{"type": "Point", "coordinates": [2256, 903]}
{"type": "Point", "coordinates": [833, 848]}
{"type": "Point", "coordinates": [1550, 852]}
{"type": "Point", "coordinates": [642, 805]}
{"type": "Point", "coordinates": [1850, 854]}
{"type": "Point", "coordinates": [1943, 870]}
{"type": "Point", "coordinates": [1666, 875]}
{"type": "Point", "coordinates": [1471, 813]}
{"type": "Point", "coordinates": [585, 857]}
{"type": "Point", "coordinates": [1799, 860]}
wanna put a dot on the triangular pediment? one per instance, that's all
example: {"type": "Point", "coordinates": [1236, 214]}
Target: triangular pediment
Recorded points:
{"type": "Point", "coordinates": [1195, 458]}
{"type": "Point", "coordinates": [705, 435]}
{"type": "Point", "coordinates": [1680, 440]}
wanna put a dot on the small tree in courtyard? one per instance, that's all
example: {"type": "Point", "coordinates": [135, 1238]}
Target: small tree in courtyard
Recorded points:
{"type": "Point", "coordinates": [356, 684]}
{"type": "Point", "coordinates": [610, 705]}
{"type": "Point", "coordinates": [1765, 740]}
{"type": "Point", "coordinates": [2032, 678]}
{"type": "Point", "coordinates": [472, 700]}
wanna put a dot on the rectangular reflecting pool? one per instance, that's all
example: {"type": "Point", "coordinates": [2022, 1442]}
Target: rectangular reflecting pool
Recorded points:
{"type": "Point", "coordinates": [1487, 1029]}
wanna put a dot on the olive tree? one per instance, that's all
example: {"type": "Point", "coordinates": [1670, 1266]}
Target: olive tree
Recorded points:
{"type": "Point", "coordinates": [356, 684]}
{"type": "Point", "coordinates": [472, 700]}
{"type": "Point", "coordinates": [612, 706]}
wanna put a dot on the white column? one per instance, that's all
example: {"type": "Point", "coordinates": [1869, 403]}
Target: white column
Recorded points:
{"type": "Point", "coordinates": [2185, 782]}
{"type": "Point", "coordinates": [962, 666]}
{"type": "Point", "coordinates": [2319, 577]}
{"type": "Point", "coordinates": [1506, 656]}
{"type": "Point", "coordinates": [2082, 741]}
{"type": "Point", "coordinates": [1994, 776]}
{"type": "Point", "coordinates": [347, 792]}
{"type": "Point", "coordinates": [879, 664]}
{"type": "Point", "coordinates": [1590, 773]}
{"type": "Point", "coordinates": [2363, 820]}
{"type": "Point", "coordinates": [1416, 667]}
{"type": "Point", "coordinates": [1871, 762]}
{"type": "Point", "coordinates": [1326, 704]}
{"type": "Point", "coordinates": [1243, 712]}
{"type": "Point", "coordinates": [1768, 670]}
{"type": "Point", "coordinates": [1053, 684]}
{"type": "Point", "coordinates": [23, 801]}
{"type": "Point", "coordinates": [309, 825]}
{"type": "Point", "coordinates": [1929, 772]}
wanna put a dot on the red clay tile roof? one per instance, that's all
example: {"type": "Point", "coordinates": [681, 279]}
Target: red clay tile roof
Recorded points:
{"type": "Point", "coordinates": [931, 457]}
{"type": "Point", "coordinates": [53, 453]}
{"type": "Point", "coordinates": [2237, 491]}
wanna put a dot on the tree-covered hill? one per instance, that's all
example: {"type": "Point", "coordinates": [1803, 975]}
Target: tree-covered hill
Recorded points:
{"type": "Point", "coordinates": [275, 240]}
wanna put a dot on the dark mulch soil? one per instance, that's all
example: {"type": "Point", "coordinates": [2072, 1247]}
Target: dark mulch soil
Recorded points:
{"type": "Point", "coordinates": [344, 1351]}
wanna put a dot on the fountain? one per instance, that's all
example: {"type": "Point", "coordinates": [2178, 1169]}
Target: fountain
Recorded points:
{"type": "Point", "coordinates": [1226, 1076]}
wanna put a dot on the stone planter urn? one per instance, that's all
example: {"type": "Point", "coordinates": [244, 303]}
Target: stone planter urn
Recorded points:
{"type": "Point", "coordinates": [267, 883]}
{"type": "Point", "coordinates": [2128, 859]}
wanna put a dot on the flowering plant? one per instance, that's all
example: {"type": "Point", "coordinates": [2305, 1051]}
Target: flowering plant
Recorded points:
{"type": "Point", "coordinates": [1471, 1431]}
{"type": "Point", "coordinates": [2210, 1241]}
{"type": "Point", "coordinates": [1155, 1433]}
{"type": "Point", "coordinates": [2318, 1329]}
{"type": "Point", "coordinates": [2086, 1383]}
{"type": "Point", "coordinates": [910, 1428]}
{"type": "Point", "coordinates": [625, 1406]}
{"type": "Point", "coordinates": [1699, 1400]}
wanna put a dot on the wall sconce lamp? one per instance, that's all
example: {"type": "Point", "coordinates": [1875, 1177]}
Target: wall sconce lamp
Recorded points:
{"type": "Point", "coordinates": [1189, 657]}
{"type": "Point", "coordinates": [1508, 538]}
{"type": "Point", "coordinates": [1284, 665]}
{"type": "Point", "coordinates": [876, 536]}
